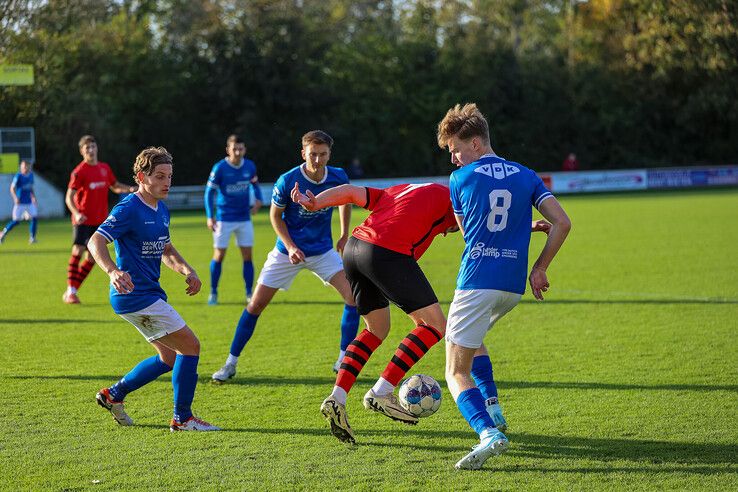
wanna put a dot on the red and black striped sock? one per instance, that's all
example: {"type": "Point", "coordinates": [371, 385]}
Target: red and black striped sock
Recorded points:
{"type": "Point", "coordinates": [73, 272]}
{"type": "Point", "coordinates": [84, 270]}
{"type": "Point", "coordinates": [411, 349]}
{"type": "Point", "coordinates": [357, 354]}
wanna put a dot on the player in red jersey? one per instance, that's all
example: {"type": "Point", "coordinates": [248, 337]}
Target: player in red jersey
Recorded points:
{"type": "Point", "coordinates": [87, 200]}
{"type": "Point", "coordinates": [380, 261]}
{"type": "Point", "coordinates": [380, 264]}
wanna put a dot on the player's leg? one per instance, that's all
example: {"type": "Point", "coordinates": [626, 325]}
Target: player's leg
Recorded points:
{"type": "Point", "coordinates": [79, 242]}
{"type": "Point", "coordinates": [8, 227]}
{"type": "Point", "coordinates": [216, 267]}
{"type": "Point", "coordinates": [471, 315]}
{"type": "Point", "coordinates": [15, 217]}
{"type": "Point", "coordinates": [277, 273]}
{"type": "Point", "coordinates": [483, 375]}
{"type": "Point", "coordinates": [349, 317]}
{"type": "Point", "coordinates": [245, 241]}
{"type": "Point", "coordinates": [374, 308]}
{"type": "Point", "coordinates": [86, 266]}
{"type": "Point", "coordinates": [33, 223]}
{"type": "Point", "coordinates": [357, 354]}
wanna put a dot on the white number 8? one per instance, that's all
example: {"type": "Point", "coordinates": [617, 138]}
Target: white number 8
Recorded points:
{"type": "Point", "coordinates": [498, 210]}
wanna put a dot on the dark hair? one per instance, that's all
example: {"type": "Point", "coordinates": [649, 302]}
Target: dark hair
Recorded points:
{"type": "Point", "coordinates": [317, 137]}
{"type": "Point", "coordinates": [234, 139]}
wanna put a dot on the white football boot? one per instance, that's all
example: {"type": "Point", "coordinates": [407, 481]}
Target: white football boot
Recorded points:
{"type": "Point", "coordinates": [388, 405]}
{"type": "Point", "coordinates": [224, 373]}
{"type": "Point", "coordinates": [335, 414]}
{"type": "Point", "coordinates": [492, 443]}
{"type": "Point", "coordinates": [114, 407]}
{"type": "Point", "coordinates": [192, 424]}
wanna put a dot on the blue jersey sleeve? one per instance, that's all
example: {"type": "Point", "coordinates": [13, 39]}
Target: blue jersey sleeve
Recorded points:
{"type": "Point", "coordinates": [280, 193]}
{"type": "Point", "coordinates": [211, 190]}
{"type": "Point", "coordinates": [117, 223]}
{"type": "Point", "coordinates": [540, 192]}
{"type": "Point", "coordinates": [15, 181]}
{"type": "Point", "coordinates": [455, 199]}
{"type": "Point", "coordinates": [342, 176]}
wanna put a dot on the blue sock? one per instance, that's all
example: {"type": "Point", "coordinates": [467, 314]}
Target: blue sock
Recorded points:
{"type": "Point", "coordinates": [184, 381]}
{"type": "Point", "coordinates": [10, 226]}
{"type": "Point", "coordinates": [244, 330]}
{"type": "Point", "coordinates": [471, 405]}
{"type": "Point", "coordinates": [248, 276]}
{"type": "Point", "coordinates": [482, 373]}
{"type": "Point", "coordinates": [349, 325]}
{"type": "Point", "coordinates": [33, 227]}
{"type": "Point", "coordinates": [145, 371]}
{"type": "Point", "coordinates": [215, 268]}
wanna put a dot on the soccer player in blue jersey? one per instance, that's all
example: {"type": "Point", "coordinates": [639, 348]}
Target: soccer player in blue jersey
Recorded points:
{"type": "Point", "coordinates": [304, 242]}
{"type": "Point", "coordinates": [492, 200]}
{"type": "Point", "coordinates": [24, 202]}
{"type": "Point", "coordinates": [139, 227]}
{"type": "Point", "coordinates": [228, 208]}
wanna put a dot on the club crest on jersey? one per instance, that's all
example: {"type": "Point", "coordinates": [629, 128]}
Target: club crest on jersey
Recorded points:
{"type": "Point", "coordinates": [497, 170]}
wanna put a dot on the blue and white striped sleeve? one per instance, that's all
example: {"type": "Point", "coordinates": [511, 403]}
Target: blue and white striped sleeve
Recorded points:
{"type": "Point", "coordinates": [540, 192]}
{"type": "Point", "coordinates": [117, 223]}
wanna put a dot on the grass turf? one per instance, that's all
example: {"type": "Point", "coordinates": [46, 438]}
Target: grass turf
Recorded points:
{"type": "Point", "coordinates": [625, 377]}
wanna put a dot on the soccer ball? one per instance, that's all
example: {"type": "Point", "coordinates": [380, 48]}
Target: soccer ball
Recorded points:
{"type": "Point", "coordinates": [420, 395]}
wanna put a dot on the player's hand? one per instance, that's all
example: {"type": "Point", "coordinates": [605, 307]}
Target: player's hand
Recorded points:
{"type": "Point", "coordinates": [256, 206]}
{"type": "Point", "coordinates": [212, 225]}
{"type": "Point", "coordinates": [121, 281]}
{"type": "Point", "coordinates": [79, 218]}
{"type": "Point", "coordinates": [538, 282]}
{"type": "Point", "coordinates": [307, 201]}
{"type": "Point", "coordinates": [341, 244]}
{"type": "Point", "coordinates": [193, 284]}
{"type": "Point", "coordinates": [540, 225]}
{"type": "Point", "coordinates": [296, 255]}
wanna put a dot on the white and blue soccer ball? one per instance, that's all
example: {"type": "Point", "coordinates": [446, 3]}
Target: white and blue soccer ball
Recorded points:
{"type": "Point", "coordinates": [420, 395]}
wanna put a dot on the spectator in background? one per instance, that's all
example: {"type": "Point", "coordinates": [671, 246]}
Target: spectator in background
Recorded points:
{"type": "Point", "coordinates": [356, 171]}
{"type": "Point", "coordinates": [24, 202]}
{"type": "Point", "coordinates": [570, 163]}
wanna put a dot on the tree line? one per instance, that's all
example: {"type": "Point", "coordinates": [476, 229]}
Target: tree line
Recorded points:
{"type": "Point", "coordinates": [623, 83]}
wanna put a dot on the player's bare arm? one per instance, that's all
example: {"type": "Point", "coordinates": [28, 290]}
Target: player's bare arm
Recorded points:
{"type": "Point", "coordinates": [560, 227]}
{"type": "Point", "coordinates": [339, 195]}
{"type": "Point", "coordinates": [16, 200]}
{"type": "Point", "coordinates": [460, 221]}
{"type": "Point", "coordinates": [77, 216]}
{"type": "Point", "coordinates": [280, 227]}
{"type": "Point", "coordinates": [119, 188]}
{"type": "Point", "coordinates": [344, 216]}
{"type": "Point", "coordinates": [120, 280]}
{"type": "Point", "coordinates": [176, 262]}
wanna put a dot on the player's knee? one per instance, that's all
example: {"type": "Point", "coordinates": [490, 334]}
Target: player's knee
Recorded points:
{"type": "Point", "coordinates": [256, 306]}
{"type": "Point", "coordinates": [194, 346]}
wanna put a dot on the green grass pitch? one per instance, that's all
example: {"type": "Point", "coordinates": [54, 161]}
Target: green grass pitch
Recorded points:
{"type": "Point", "coordinates": [625, 377]}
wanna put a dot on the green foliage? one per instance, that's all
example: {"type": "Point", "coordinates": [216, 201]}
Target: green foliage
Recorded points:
{"type": "Point", "coordinates": [624, 378]}
{"type": "Point", "coordinates": [623, 83]}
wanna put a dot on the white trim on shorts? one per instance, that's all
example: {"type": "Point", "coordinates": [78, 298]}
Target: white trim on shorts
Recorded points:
{"type": "Point", "coordinates": [243, 230]}
{"type": "Point", "coordinates": [156, 320]}
{"type": "Point", "coordinates": [24, 211]}
{"type": "Point", "coordinates": [278, 272]}
{"type": "Point", "coordinates": [473, 313]}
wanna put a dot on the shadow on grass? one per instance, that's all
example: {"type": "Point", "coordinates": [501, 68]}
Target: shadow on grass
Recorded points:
{"type": "Point", "coordinates": [646, 452]}
{"type": "Point", "coordinates": [330, 380]}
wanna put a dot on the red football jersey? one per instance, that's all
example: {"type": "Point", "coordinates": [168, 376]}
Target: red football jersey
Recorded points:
{"type": "Point", "coordinates": [405, 218]}
{"type": "Point", "coordinates": [92, 183]}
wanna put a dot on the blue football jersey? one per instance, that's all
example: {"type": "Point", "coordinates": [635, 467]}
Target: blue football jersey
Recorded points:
{"type": "Point", "coordinates": [495, 197]}
{"type": "Point", "coordinates": [23, 187]}
{"type": "Point", "coordinates": [231, 185]}
{"type": "Point", "coordinates": [140, 234]}
{"type": "Point", "coordinates": [311, 231]}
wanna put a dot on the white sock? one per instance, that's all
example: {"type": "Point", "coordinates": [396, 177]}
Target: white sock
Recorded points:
{"type": "Point", "coordinates": [232, 360]}
{"type": "Point", "coordinates": [341, 353]}
{"type": "Point", "coordinates": [383, 387]}
{"type": "Point", "coordinates": [71, 290]}
{"type": "Point", "coordinates": [339, 394]}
